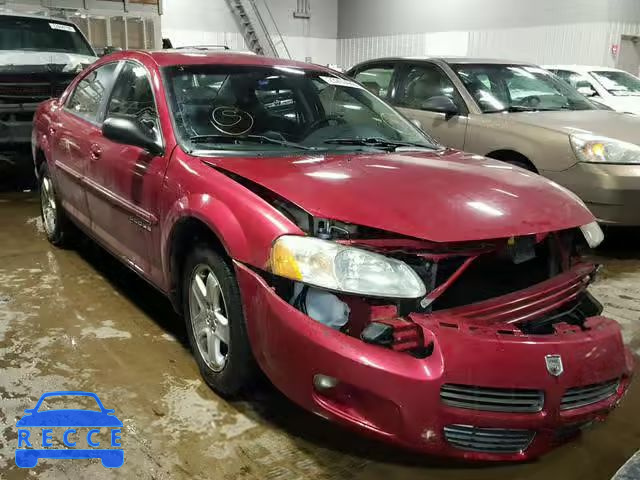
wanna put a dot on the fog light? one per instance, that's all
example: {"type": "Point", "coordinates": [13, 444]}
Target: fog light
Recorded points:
{"type": "Point", "coordinates": [324, 382]}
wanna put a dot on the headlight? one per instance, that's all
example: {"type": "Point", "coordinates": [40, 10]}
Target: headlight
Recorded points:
{"type": "Point", "coordinates": [592, 234]}
{"type": "Point", "coordinates": [337, 267]}
{"type": "Point", "coordinates": [591, 148]}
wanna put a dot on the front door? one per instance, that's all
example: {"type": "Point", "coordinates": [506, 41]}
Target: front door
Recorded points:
{"type": "Point", "coordinates": [417, 84]}
{"type": "Point", "coordinates": [124, 180]}
{"type": "Point", "coordinates": [69, 132]}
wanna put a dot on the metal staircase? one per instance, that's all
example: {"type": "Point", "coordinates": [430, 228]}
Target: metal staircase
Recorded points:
{"type": "Point", "coordinates": [259, 28]}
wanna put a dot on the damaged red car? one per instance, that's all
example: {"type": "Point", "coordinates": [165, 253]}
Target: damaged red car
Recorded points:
{"type": "Point", "coordinates": [420, 295]}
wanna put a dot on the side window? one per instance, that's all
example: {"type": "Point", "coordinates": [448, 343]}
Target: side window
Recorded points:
{"type": "Point", "coordinates": [133, 97]}
{"type": "Point", "coordinates": [576, 80]}
{"type": "Point", "coordinates": [376, 79]}
{"type": "Point", "coordinates": [89, 93]}
{"type": "Point", "coordinates": [571, 78]}
{"type": "Point", "coordinates": [420, 83]}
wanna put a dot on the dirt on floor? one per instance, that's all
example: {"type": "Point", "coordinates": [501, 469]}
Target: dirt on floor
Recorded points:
{"type": "Point", "coordinates": [78, 320]}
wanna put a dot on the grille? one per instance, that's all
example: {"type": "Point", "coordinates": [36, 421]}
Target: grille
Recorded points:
{"type": "Point", "coordinates": [582, 396]}
{"type": "Point", "coordinates": [31, 91]}
{"type": "Point", "coordinates": [492, 399]}
{"type": "Point", "coordinates": [489, 440]}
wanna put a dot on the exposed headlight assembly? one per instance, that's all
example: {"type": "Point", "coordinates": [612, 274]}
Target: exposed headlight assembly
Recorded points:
{"type": "Point", "coordinates": [596, 149]}
{"type": "Point", "coordinates": [592, 234]}
{"type": "Point", "coordinates": [333, 266]}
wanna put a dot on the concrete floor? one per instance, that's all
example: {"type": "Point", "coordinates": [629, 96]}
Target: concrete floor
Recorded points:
{"type": "Point", "coordinates": [78, 320]}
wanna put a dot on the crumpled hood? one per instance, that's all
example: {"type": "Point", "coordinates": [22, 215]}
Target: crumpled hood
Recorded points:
{"type": "Point", "coordinates": [445, 196]}
{"type": "Point", "coordinates": [19, 61]}
{"type": "Point", "coordinates": [621, 126]}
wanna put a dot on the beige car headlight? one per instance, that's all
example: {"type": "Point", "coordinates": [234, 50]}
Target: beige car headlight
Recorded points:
{"type": "Point", "coordinates": [593, 234]}
{"type": "Point", "coordinates": [596, 149]}
{"type": "Point", "coordinates": [331, 265]}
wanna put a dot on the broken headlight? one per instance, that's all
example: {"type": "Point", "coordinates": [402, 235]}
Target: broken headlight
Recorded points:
{"type": "Point", "coordinates": [592, 234]}
{"type": "Point", "coordinates": [333, 266]}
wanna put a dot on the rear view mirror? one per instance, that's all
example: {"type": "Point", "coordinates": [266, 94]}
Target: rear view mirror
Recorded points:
{"type": "Point", "coordinates": [130, 131]}
{"type": "Point", "coordinates": [441, 104]}
{"type": "Point", "coordinates": [587, 91]}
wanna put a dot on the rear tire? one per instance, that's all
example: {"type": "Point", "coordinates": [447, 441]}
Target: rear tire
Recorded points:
{"type": "Point", "coordinates": [215, 322]}
{"type": "Point", "coordinates": [57, 225]}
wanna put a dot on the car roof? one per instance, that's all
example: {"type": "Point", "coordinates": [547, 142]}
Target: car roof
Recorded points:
{"type": "Point", "coordinates": [455, 60]}
{"type": "Point", "coordinates": [171, 57]}
{"type": "Point", "coordinates": [581, 68]}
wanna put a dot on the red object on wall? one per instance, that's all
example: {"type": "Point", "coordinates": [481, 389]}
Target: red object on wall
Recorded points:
{"type": "Point", "coordinates": [615, 49]}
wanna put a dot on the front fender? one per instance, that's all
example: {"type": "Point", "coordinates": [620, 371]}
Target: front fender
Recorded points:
{"type": "Point", "coordinates": [211, 212]}
{"type": "Point", "coordinates": [246, 229]}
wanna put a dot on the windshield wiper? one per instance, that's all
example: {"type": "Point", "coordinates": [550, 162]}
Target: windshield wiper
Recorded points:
{"type": "Point", "coordinates": [522, 108]}
{"type": "Point", "coordinates": [515, 108]}
{"type": "Point", "coordinates": [377, 143]}
{"type": "Point", "coordinates": [247, 138]}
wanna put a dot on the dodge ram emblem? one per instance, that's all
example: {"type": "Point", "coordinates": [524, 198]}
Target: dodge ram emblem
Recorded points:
{"type": "Point", "coordinates": [554, 365]}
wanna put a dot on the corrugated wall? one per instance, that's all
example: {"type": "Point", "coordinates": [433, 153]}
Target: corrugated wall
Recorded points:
{"type": "Point", "coordinates": [583, 43]}
{"type": "Point", "coordinates": [355, 50]}
{"type": "Point", "coordinates": [579, 43]}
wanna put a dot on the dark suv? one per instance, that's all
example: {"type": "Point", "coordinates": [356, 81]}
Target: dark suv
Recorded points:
{"type": "Point", "coordinates": [39, 56]}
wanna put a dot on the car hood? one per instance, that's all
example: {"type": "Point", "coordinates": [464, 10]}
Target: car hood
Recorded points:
{"type": "Point", "coordinates": [69, 418]}
{"type": "Point", "coordinates": [19, 61]}
{"type": "Point", "coordinates": [630, 104]}
{"type": "Point", "coordinates": [598, 122]}
{"type": "Point", "coordinates": [445, 196]}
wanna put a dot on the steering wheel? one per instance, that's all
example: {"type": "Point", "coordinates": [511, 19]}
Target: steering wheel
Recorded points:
{"type": "Point", "coordinates": [315, 125]}
{"type": "Point", "coordinates": [531, 101]}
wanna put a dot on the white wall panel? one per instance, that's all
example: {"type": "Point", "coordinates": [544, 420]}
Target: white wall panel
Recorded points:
{"type": "Point", "coordinates": [321, 50]}
{"type": "Point", "coordinates": [579, 43]}
{"type": "Point", "coordinates": [183, 37]}
{"type": "Point", "coordinates": [355, 50]}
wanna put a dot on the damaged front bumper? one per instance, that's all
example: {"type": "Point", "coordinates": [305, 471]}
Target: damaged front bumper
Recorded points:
{"type": "Point", "coordinates": [486, 391]}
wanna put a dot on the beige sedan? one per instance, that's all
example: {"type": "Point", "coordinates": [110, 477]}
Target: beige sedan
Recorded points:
{"type": "Point", "coordinates": [523, 115]}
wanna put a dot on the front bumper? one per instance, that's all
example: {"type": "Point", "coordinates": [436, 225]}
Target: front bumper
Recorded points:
{"type": "Point", "coordinates": [396, 397]}
{"type": "Point", "coordinates": [612, 192]}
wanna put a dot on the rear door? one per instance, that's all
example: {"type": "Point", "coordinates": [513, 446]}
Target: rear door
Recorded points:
{"type": "Point", "coordinates": [419, 82]}
{"type": "Point", "coordinates": [70, 131]}
{"type": "Point", "coordinates": [125, 180]}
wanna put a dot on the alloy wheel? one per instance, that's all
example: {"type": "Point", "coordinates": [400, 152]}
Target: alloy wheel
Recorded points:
{"type": "Point", "coordinates": [49, 207]}
{"type": "Point", "coordinates": [208, 315]}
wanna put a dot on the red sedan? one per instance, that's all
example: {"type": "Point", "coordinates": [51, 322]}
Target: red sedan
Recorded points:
{"type": "Point", "coordinates": [421, 295]}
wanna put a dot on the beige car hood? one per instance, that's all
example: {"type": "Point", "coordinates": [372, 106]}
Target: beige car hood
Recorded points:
{"type": "Point", "coordinates": [622, 126]}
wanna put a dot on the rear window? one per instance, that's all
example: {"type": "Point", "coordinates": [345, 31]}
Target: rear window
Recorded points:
{"type": "Point", "coordinates": [37, 34]}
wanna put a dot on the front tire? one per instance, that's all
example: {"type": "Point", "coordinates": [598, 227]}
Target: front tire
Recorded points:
{"type": "Point", "coordinates": [215, 322]}
{"type": "Point", "coordinates": [57, 226]}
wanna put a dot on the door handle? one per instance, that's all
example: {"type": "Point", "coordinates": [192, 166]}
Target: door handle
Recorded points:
{"type": "Point", "coordinates": [95, 152]}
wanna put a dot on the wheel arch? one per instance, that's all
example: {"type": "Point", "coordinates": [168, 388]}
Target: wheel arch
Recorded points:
{"type": "Point", "coordinates": [512, 156]}
{"type": "Point", "coordinates": [186, 232]}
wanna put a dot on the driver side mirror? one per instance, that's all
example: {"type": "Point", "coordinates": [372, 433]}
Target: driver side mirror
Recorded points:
{"type": "Point", "coordinates": [129, 131]}
{"type": "Point", "coordinates": [441, 104]}
{"type": "Point", "coordinates": [587, 91]}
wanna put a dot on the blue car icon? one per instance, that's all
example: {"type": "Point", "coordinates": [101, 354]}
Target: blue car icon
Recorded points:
{"type": "Point", "coordinates": [70, 418]}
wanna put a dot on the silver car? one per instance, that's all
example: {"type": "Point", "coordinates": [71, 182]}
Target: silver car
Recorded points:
{"type": "Point", "coordinates": [523, 115]}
